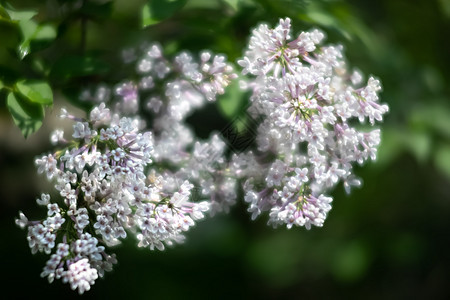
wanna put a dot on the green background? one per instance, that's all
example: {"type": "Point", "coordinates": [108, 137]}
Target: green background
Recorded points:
{"type": "Point", "coordinates": [388, 239]}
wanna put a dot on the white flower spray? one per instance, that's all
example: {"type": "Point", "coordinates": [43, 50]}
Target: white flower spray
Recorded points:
{"type": "Point", "coordinates": [307, 101]}
{"type": "Point", "coordinates": [114, 178]}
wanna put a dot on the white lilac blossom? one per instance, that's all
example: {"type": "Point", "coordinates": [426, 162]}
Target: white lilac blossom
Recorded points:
{"type": "Point", "coordinates": [134, 166]}
{"type": "Point", "coordinates": [102, 195]}
{"type": "Point", "coordinates": [171, 89]}
{"type": "Point", "coordinates": [308, 101]}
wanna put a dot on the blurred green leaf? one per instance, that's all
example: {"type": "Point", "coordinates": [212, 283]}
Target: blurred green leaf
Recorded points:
{"type": "Point", "coordinates": [433, 79]}
{"type": "Point", "coordinates": [397, 140]}
{"type": "Point", "coordinates": [156, 11]}
{"type": "Point", "coordinates": [4, 14]}
{"type": "Point", "coordinates": [442, 159]}
{"type": "Point", "coordinates": [320, 17]}
{"type": "Point", "coordinates": [391, 146]}
{"type": "Point", "coordinates": [232, 105]}
{"type": "Point", "coordinates": [445, 7]}
{"type": "Point", "coordinates": [406, 248]}
{"type": "Point", "coordinates": [21, 15]}
{"type": "Point", "coordinates": [97, 10]}
{"type": "Point", "coordinates": [27, 116]}
{"type": "Point", "coordinates": [339, 17]}
{"type": "Point", "coordinates": [39, 66]}
{"type": "Point", "coordinates": [419, 143]}
{"type": "Point", "coordinates": [8, 75]}
{"type": "Point", "coordinates": [277, 257]}
{"type": "Point", "coordinates": [77, 66]}
{"type": "Point", "coordinates": [233, 4]}
{"type": "Point", "coordinates": [42, 38]}
{"type": "Point", "coordinates": [28, 28]}
{"type": "Point", "coordinates": [203, 4]}
{"type": "Point", "coordinates": [32, 32]}
{"type": "Point", "coordinates": [231, 102]}
{"type": "Point", "coordinates": [9, 33]}
{"type": "Point", "coordinates": [45, 32]}
{"type": "Point", "coordinates": [36, 92]}
{"type": "Point", "coordinates": [432, 116]}
{"type": "Point", "coordinates": [351, 262]}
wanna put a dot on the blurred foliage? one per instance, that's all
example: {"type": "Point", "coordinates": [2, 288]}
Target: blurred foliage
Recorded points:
{"type": "Point", "coordinates": [388, 239]}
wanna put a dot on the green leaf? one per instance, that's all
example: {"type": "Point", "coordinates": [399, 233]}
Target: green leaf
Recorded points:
{"type": "Point", "coordinates": [233, 4]}
{"type": "Point", "coordinates": [9, 76]}
{"type": "Point", "coordinates": [34, 34]}
{"type": "Point", "coordinates": [231, 102]}
{"type": "Point", "coordinates": [27, 116]}
{"type": "Point", "coordinates": [21, 15]}
{"type": "Point", "coordinates": [97, 10]}
{"type": "Point", "coordinates": [45, 32]}
{"type": "Point", "coordinates": [36, 92]}
{"type": "Point", "coordinates": [419, 143]}
{"type": "Point", "coordinates": [339, 17]}
{"type": "Point", "coordinates": [156, 11]}
{"type": "Point", "coordinates": [1, 85]}
{"type": "Point", "coordinates": [395, 141]}
{"type": "Point", "coordinates": [43, 37]}
{"type": "Point", "coordinates": [432, 117]}
{"type": "Point", "coordinates": [77, 66]}
{"type": "Point", "coordinates": [4, 14]}
{"type": "Point", "coordinates": [9, 33]}
{"type": "Point", "coordinates": [442, 159]}
{"type": "Point", "coordinates": [391, 146]}
{"type": "Point", "coordinates": [351, 262]}
{"type": "Point", "coordinates": [146, 16]}
{"type": "Point", "coordinates": [28, 28]}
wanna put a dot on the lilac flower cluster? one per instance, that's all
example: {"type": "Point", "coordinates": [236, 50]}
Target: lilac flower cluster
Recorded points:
{"type": "Point", "coordinates": [138, 168]}
{"type": "Point", "coordinates": [112, 179]}
{"type": "Point", "coordinates": [308, 102]}
{"type": "Point", "coordinates": [103, 195]}
{"type": "Point", "coordinates": [170, 90]}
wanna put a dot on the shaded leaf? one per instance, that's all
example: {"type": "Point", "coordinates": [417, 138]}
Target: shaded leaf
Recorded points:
{"type": "Point", "coordinates": [45, 32]}
{"type": "Point", "coordinates": [390, 148]}
{"type": "Point", "coordinates": [21, 15]}
{"type": "Point", "coordinates": [97, 10]}
{"type": "Point", "coordinates": [4, 14]}
{"type": "Point", "coordinates": [27, 116]}
{"type": "Point", "coordinates": [156, 11]}
{"type": "Point", "coordinates": [281, 268]}
{"type": "Point", "coordinates": [231, 102]}
{"type": "Point", "coordinates": [8, 75]}
{"type": "Point", "coordinates": [339, 17]}
{"type": "Point", "coordinates": [28, 28]}
{"type": "Point", "coordinates": [9, 33]}
{"type": "Point", "coordinates": [442, 159]}
{"type": "Point", "coordinates": [43, 37]}
{"type": "Point", "coordinates": [77, 66]}
{"type": "Point", "coordinates": [37, 91]}
{"type": "Point", "coordinates": [419, 143]}
{"type": "Point", "coordinates": [351, 262]}
{"type": "Point", "coordinates": [434, 116]}
{"type": "Point", "coordinates": [395, 141]}
{"type": "Point", "coordinates": [233, 4]}
{"type": "Point", "coordinates": [34, 34]}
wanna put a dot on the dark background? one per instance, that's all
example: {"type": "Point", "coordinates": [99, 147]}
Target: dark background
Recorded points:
{"type": "Point", "coordinates": [388, 239]}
